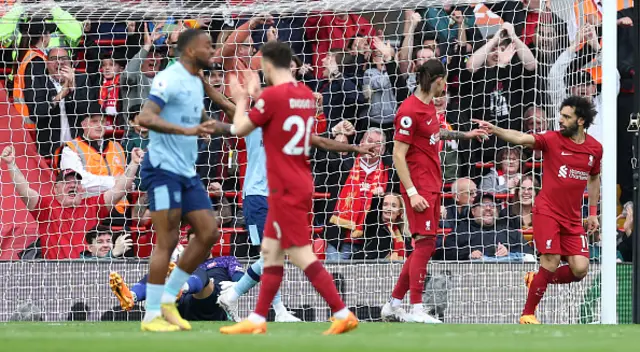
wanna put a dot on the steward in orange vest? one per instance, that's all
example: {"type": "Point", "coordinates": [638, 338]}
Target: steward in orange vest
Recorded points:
{"type": "Point", "coordinates": [99, 161]}
{"type": "Point", "coordinates": [37, 36]}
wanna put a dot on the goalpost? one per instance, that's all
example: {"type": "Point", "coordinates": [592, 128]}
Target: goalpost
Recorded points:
{"type": "Point", "coordinates": [520, 94]}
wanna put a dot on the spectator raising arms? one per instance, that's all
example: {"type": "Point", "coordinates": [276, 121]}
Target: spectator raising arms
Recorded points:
{"type": "Point", "coordinates": [340, 94]}
{"type": "Point", "coordinates": [65, 217]}
{"type": "Point", "coordinates": [142, 68]}
{"type": "Point", "coordinates": [331, 31]}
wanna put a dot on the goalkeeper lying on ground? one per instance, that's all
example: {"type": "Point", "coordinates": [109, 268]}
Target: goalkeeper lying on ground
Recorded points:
{"type": "Point", "coordinates": [198, 297]}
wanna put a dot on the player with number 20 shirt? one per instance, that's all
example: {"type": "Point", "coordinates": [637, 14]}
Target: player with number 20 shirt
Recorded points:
{"type": "Point", "coordinates": [571, 163]}
{"type": "Point", "coordinates": [417, 161]}
{"type": "Point", "coordinates": [286, 112]}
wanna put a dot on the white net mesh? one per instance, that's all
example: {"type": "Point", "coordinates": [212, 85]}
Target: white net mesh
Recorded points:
{"type": "Point", "coordinates": [508, 62]}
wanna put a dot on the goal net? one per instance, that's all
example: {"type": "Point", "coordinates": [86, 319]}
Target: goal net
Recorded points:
{"type": "Point", "coordinates": [76, 73]}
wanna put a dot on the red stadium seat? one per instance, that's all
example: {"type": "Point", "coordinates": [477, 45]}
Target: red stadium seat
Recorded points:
{"type": "Point", "coordinates": [319, 246]}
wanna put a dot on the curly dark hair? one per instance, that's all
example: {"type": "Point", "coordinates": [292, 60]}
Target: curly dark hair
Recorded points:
{"type": "Point", "coordinates": [583, 108]}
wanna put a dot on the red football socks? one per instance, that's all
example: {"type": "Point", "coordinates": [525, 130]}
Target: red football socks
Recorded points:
{"type": "Point", "coordinates": [322, 281]}
{"type": "Point", "coordinates": [269, 285]}
{"type": "Point", "coordinates": [402, 285]}
{"type": "Point", "coordinates": [536, 290]}
{"type": "Point", "coordinates": [564, 275]}
{"type": "Point", "coordinates": [418, 268]}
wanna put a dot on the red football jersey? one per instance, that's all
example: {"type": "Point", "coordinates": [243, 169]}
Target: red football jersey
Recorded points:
{"type": "Point", "coordinates": [63, 229]}
{"type": "Point", "coordinates": [566, 169]}
{"type": "Point", "coordinates": [286, 113]}
{"type": "Point", "coordinates": [417, 124]}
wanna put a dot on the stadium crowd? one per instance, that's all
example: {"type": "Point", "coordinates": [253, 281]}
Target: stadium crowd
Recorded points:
{"type": "Point", "coordinates": [79, 86]}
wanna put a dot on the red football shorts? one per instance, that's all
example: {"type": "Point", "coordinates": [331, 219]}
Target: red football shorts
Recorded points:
{"type": "Point", "coordinates": [425, 222]}
{"type": "Point", "coordinates": [552, 237]}
{"type": "Point", "coordinates": [289, 221]}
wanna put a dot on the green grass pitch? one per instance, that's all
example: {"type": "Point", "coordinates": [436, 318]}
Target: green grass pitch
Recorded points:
{"type": "Point", "coordinates": [307, 337]}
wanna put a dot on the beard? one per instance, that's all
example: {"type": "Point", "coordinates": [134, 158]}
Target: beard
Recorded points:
{"type": "Point", "coordinates": [267, 79]}
{"type": "Point", "coordinates": [569, 131]}
{"type": "Point", "coordinates": [202, 63]}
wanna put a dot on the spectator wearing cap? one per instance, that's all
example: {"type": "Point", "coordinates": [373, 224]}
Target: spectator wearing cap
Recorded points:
{"type": "Point", "coordinates": [483, 238]}
{"type": "Point", "coordinates": [65, 216]}
{"type": "Point", "coordinates": [104, 243]}
{"type": "Point", "coordinates": [97, 160]}
{"type": "Point", "coordinates": [57, 100]}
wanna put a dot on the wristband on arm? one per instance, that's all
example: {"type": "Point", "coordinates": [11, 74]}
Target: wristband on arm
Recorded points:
{"type": "Point", "coordinates": [412, 192]}
{"type": "Point", "coordinates": [593, 210]}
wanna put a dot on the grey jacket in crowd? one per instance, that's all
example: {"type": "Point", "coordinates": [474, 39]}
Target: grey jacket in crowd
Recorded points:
{"type": "Point", "coordinates": [135, 85]}
{"type": "Point", "coordinates": [382, 106]}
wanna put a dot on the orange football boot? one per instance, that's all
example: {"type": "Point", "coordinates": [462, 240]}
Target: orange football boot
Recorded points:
{"type": "Point", "coordinates": [121, 291]}
{"type": "Point", "coordinates": [341, 326]}
{"type": "Point", "coordinates": [529, 319]}
{"type": "Point", "coordinates": [244, 327]}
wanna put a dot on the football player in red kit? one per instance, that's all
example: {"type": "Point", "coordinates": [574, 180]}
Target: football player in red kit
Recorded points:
{"type": "Point", "coordinates": [286, 112]}
{"type": "Point", "coordinates": [417, 161]}
{"type": "Point", "coordinates": [571, 163]}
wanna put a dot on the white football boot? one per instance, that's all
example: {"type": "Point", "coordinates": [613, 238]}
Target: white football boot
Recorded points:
{"type": "Point", "coordinates": [287, 317]}
{"type": "Point", "coordinates": [391, 314]}
{"type": "Point", "coordinates": [420, 316]}
{"type": "Point", "coordinates": [230, 305]}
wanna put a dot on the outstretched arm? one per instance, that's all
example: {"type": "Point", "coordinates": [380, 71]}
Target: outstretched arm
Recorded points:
{"type": "Point", "coordinates": [339, 147]}
{"type": "Point", "coordinates": [449, 135]}
{"type": "Point", "coordinates": [123, 182]}
{"type": "Point", "coordinates": [515, 137]}
{"type": "Point", "coordinates": [29, 196]}
{"type": "Point", "coordinates": [511, 136]}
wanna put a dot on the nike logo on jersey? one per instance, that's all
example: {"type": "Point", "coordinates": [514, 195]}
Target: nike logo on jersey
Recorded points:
{"type": "Point", "coordinates": [429, 122]}
{"type": "Point", "coordinates": [565, 154]}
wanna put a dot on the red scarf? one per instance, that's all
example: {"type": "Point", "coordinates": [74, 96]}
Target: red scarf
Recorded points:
{"type": "Point", "coordinates": [110, 93]}
{"type": "Point", "coordinates": [398, 242]}
{"type": "Point", "coordinates": [355, 198]}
